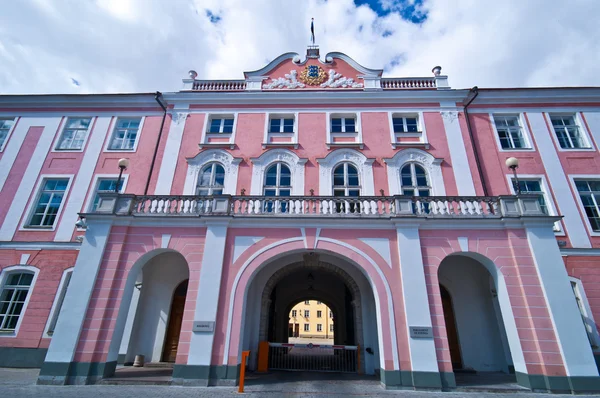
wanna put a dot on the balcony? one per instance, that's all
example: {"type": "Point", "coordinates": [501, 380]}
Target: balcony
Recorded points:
{"type": "Point", "coordinates": [376, 207]}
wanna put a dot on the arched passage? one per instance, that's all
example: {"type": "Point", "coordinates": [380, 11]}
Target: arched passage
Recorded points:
{"type": "Point", "coordinates": [479, 322]}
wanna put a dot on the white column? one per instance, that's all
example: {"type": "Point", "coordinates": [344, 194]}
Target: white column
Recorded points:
{"type": "Point", "coordinates": [568, 326]}
{"type": "Point", "coordinates": [558, 181]}
{"type": "Point", "coordinates": [171, 154]}
{"type": "Point", "coordinates": [416, 302]}
{"type": "Point", "coordinates": [70, 321]}
{"type": "Point", "coordinates": [207, 300]}
{"type": "Point", "coordinates": [458, 154]}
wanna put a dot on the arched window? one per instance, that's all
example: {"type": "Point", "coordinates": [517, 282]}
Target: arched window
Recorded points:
{"type": "Point", "coordinates": [278, 180]}
{"type": "Point", "coordinates": [345, 180]}
{"type": "Point", "coordinates": [13, 296]}
{"type": "Point", "coordinates": [414, 180]}
{"type": "Point", "coordinates": [211, 180]}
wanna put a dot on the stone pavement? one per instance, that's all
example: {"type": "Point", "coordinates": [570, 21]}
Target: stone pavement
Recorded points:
{"type": "Point", "coordinates": [21, 383]}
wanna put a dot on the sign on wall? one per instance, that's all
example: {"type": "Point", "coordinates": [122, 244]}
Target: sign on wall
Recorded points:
{"type": "Point", "coordinates": [203, 326]}
{"type": "Point", "coordinates": [421, 332]}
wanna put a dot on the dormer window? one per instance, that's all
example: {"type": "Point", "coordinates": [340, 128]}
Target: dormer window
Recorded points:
{"type": "Point", "coordinates": [221, 125]}
{"type": "Point", "coordinates": [343, 125]}
{"type": "Point", "coordinates": [281, 125]}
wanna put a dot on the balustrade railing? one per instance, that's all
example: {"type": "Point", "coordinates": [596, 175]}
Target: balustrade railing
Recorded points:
{"type": "Point", "coordinates": [219, 85]}
{"type": "Point", "coordinates": [407, 83]}
{"type": "Point", "coordinates": [321, 206]}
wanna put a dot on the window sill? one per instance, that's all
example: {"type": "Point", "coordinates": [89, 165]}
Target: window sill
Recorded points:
{"type": "Point", "coordinates": [266, 145]}
{"type": "Point", "coordinates": [424, 145]}
{"type": "Point", "coordinates": [587, 149]}
{"type": "Point", "coordinates": [119, 150]}
{"type": "Point", "coordinates": [38, 228]}
{"type": "Point", "coordinates": [516, 149]}
{"type": "Point", "coordinates": [229, 145]}
{"type": "Point", "coordinates": [359, 145]}
{"type": "Point", "coordinates": [67, 150]}
{"type": "Point", "coordinates": [7, 333]}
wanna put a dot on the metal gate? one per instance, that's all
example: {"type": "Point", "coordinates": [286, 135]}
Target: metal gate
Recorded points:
{"type": "Point", "coordinates": [314, 357]}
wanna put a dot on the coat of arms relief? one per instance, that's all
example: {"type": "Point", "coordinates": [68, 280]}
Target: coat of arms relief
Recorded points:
{"type": "Point", "coordinates": [311, 76]}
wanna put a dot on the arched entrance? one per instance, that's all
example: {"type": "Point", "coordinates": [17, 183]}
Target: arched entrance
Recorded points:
{"type": "Point", "coordinates": [474, 319]}
{"type": "Point", "coordinates": [319, 276]}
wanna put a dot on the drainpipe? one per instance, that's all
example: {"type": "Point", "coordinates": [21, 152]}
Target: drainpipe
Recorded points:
{"type": "Point", "coordinates": [473, 93]}
{"type": "Point", "coordinates": [159, 99]}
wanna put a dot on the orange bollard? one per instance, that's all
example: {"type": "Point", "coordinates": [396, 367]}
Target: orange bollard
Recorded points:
{"type": "Point", "coordinates": [263, 356]}
{"type": "Point", "coordinates": [245, 355]}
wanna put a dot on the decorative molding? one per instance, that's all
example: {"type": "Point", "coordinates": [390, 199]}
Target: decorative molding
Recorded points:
{"type": "Point", "coordinates": [195, 164]}
{"type": "Point", "coordinates": [432, 165]}
{"type": "Point", "coordinates": [289, 81]}
{"type": "Point", "coordinates": [336, 80]}
{"type": "Point", "coordinates": [289, 158]}
{"type": "Point", "coordinates": [363, 164]}
{"type": "Point", "coordinates": [179, 117]}
{"type": "Point", "coordinates": [449, 116]}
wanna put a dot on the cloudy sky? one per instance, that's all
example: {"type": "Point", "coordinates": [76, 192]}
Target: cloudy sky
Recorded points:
{"type": "Point", "coordinates": [89, 46]}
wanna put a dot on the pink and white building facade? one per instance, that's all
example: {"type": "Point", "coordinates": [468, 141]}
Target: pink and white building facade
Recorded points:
{"type": "Point", "coordinates": [315, 178]}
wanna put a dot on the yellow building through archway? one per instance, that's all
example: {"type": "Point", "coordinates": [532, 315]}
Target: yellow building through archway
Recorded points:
{"type": "Point", "coordinates": [311, 319]}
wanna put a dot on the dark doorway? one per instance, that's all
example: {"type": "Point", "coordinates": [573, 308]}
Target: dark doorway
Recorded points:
{"type": "Point", "coordinates": [174, 326]}
{"type": "Point", "coordinates": [450, 321]}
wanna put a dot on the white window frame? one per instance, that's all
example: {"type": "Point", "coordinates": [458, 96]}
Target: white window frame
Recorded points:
{"type": "Point", "coordinates": [58, 301]}
{"type": "Point", "coordinates": [205, 134]}
{"type": "Point", "coordinates": [94, 190]}
{"type": "Point", "coordinates": [306, 327]}
{"type": "Point", "coordinates": [319, 327]}
{"type": "Point", "coordinates": [9, 133]}
{"type": "Point", "coordinates": [421, 134]}
{"type": "Point", "coordinates": [346, 187]}
{"type": "Point", "coordinates": [264, 161]}
{"type": "Point", "coordinates": [277, 187]}
{"type": "Point", "coordinates": [267, 133]}
{"type": "Point", "coordinates": [358, 136]}
{"type": "Point", "coordinates": [197, 163]}
{"type": "Point", "coordinates": [3, 277]}
{"type": "Point", "coordinates": [572, 178]}
{"type": "Point", "coordinates": [528, 142]}
{"type": "Point", "coordinates": [212, 185]}
{"type": "Point", "coordinates": [319, 314]}
{"type": "Point", "coordinates": [55, 147]}
{"type": "Point", "coordinates": [546, 191]}
{"type": "Point", "coordinates": [585, 134]}
{"type": "Point", "coordinates": [34, 199]}
{"type": "Point", "coordinates": [413, 176]}
{"type": "Point", "coordinates": [113, 128]}
{"type": "Point", "coordinates": [580, 292]}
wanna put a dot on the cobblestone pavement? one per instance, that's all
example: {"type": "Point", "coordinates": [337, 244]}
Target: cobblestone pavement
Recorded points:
{"type": "Point", "coordinates": [21, 383]}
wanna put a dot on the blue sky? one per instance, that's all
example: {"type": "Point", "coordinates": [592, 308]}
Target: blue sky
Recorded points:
{"type": "Point", "coordinates": [94, 46]}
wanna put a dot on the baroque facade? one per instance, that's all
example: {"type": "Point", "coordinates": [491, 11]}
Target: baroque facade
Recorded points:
{"type": "Point", "coordinates": [388, 199]}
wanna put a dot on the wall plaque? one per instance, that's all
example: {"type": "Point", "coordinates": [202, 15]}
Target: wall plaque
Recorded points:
{"type": "Point", "coordinates": [420, 332]}
{"type": "Point", "coordinates": [203, 326]}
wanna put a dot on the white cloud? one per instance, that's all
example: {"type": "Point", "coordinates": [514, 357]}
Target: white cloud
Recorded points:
{"type": "Point", "coordinates": [148, 45]}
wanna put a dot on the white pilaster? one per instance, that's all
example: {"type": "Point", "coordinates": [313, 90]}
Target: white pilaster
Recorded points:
{"type": "Point", "coordinates": [82, 182]}
{"type": "Point", "coordinates": [207, 301]}
{"type": "Point", "coordinates": [558, 182]}
{"type": "Point", "coordinates": [171, 154]}
{"type": "Point", "coordinates": [68, 328]}
{"type": "Point", "coordinates": [568, 326]}
{"type": "Point", "coordinates": [458, 154]}
{"type": "Point", "coordinates": [416, 302]}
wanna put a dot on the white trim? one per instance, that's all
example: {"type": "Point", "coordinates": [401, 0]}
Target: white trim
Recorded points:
{"type": "Point", "coordinates": [209, 115]}
{"type": "Point", "coordinates": [280, 115]}
{"type": "Point", "coordinates": [12, 269]}
{"type": "Point", "coordinates": [421, 133]}
{"type": "Point", "coordinates": [170, 157]}
{"type": "Point", "coordinates": [53, 309]}
{"type": "Point", "coordinates": [83, 179]}
{"type": "Point", "coordinates": [33, 201]}
{"type": "Point", "coordinates": [12, 128]}
{"type": "Point", "coordinates": [458, 154]}
{"type": "Point", "coordinates": [363, 164]}
{"type": "Point", "coordinates": [40, 245]}
{"type": "Point", "coordinates": [558, 181]}
{"type": "Point", "coordinates": [582, 129]}
{"type": "Point", "coordinates": [547, 192]}
{"type": "Point", "coordinates": [88, 132]}
{"type": "Point", "coordinates": [529, 146]}
{"type": "Point", "coordinates": [195, 164]}
{"type": "Point", "coordinates": [279, 155]}
{"type": "Point", "coordinates": [345, 114]}
{"type": "Point", "coordinates": [412, 155]}
{"type": "Point", "coordinates": [93, 188]}
{"type": "Point", "coordinates": [587, 311]}
{"type": "Point", "coordinates": [113, 127]}
{"type": "Point", "coordinates": [583, 216]}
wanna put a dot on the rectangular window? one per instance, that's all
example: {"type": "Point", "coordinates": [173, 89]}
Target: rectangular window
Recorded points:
{"type": "Point", "coordinates": [319, 327]}
{"type": "Point", "coordinates": [105, 185]}
{"type": "Point", "coordinates": [589, 192]}
{"type": "Point", "coordinates": [331, 314]}
{"type": "Point", "coordinates": [307, 302]}
{"type": "Point", "coordinates": [568, 132]}
{"type": "Point", "coordinates": [306, 313]}
{"type": "Point", "coordinates": [59, 303]}
{"type": "Point", "coordinates": [48, 202]}
{"type": "Point", "coordinates": [510, 132]}
{"type": "Point", "coordinates": [12, 299]}
{"type": "Point", "coordinates": [318, 303]}
{"type": "Point", "coordinates": [74, 133]}
{"type": "Point", "coordinates": [5, 126]}
{"type": "Point", "coordinates": [405, 124]}
{"type": "Point", "coordinates": [125, 134]}
{"type": "Point", "coordinates": [307, 327]}
{"type": "Point", "coordinates": [343, 125]}
{"type": "Point", "coordinates": [283, 125]}
{"type": "Point", "coordinates": [331, 328]}
{"type": "Point", "coordinates": [294, 313]}
{"type": "Point", "coordinates": [319, 314]}
{"type": "Point", "coordinates": [221, 125]}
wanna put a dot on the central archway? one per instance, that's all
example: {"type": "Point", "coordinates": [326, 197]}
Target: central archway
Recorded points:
{"type": "Point", "coordinates": [313, 275]}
